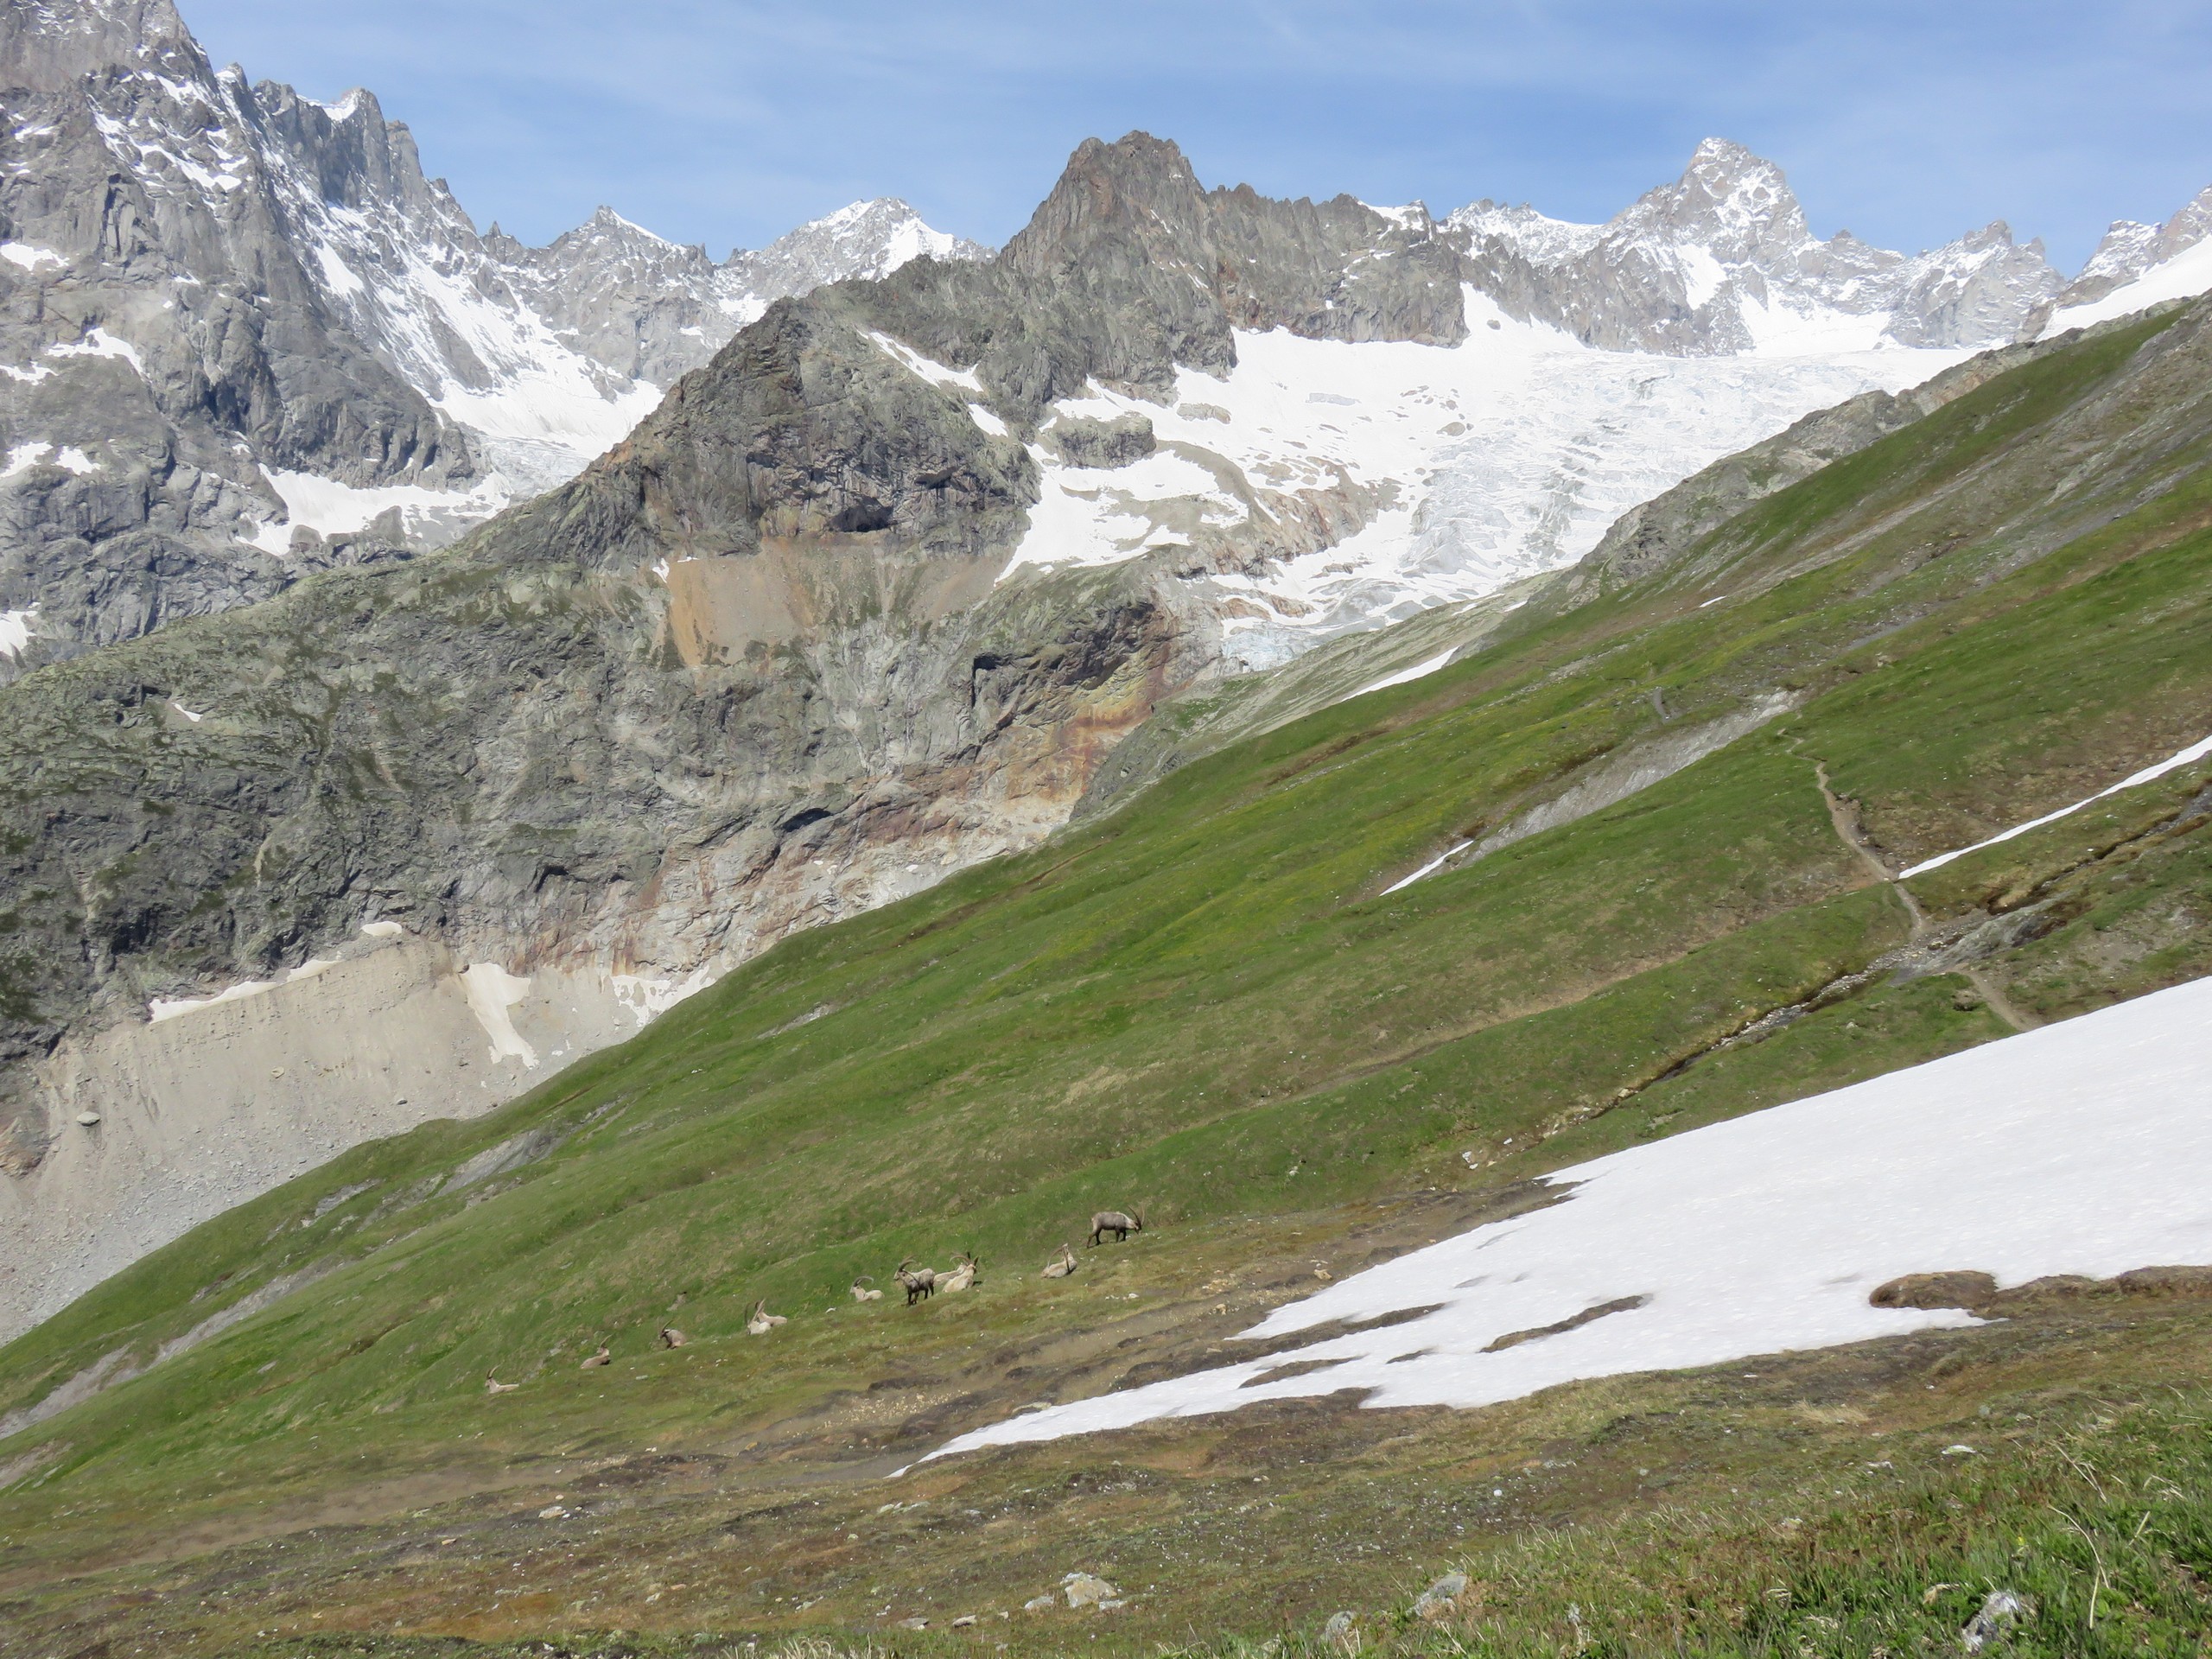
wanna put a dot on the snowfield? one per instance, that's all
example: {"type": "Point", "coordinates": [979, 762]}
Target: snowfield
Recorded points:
{"type": "Point", "coordinates": [1501, 458]}
{"type": "Point", "coordinates": [2079, 1147]}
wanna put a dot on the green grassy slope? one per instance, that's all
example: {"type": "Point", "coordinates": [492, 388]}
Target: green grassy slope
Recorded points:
{"type": "Point", "coordinates": [1205, 1005]}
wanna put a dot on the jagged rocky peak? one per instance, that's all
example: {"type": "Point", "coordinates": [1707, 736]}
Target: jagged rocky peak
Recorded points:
{"type": "Point", "coordinates": [48, 45]}
{"type": "Point", "coordinates": [2130, 248]}
{"type": "Point", "coordinates": [1737, 205]}
{"type": "Point", "coordinates": [1722, 260]}
{"type": "Point", "coordinates": [868, 239]}
{"type": "Point", "coordinates": [1132, 215]}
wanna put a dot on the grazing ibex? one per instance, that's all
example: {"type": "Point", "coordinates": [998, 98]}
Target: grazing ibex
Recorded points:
{"type": "Point", "coordinates": [861, 1293]}
{"type": "Point", "coordinates": [963, 1274]}
{"type": "Point", "coordinates": [592, 1362]}
{"type": "Point", "coordinates": [672, 1337]}
{"type": "Point", "coordinates": [1114, 1222]}
{"type": "Point", "coordinates": [493, 1385]}
{"type": "Point", "coordinates": [1061, 1265]}
{"type": "Point", "coordinates": [763, 1321]}
{"type": "Point", "coordinates": [919, 1281]}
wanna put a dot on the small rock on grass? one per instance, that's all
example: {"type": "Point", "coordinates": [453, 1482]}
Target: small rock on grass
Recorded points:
{"type": "Point", "coordinates": [1038, 1605]}
{"type": "Point", "coordinates": [1088, 1590]}
{"type": "Point", "coordinates": [1993, 1623]}
{"type": "Point", "coordinates": [1439, 1598]}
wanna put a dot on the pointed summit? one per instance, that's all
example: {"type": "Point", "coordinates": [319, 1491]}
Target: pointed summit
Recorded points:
{"type": "Point", "coordinates": [1735, 204]}
{"type": "Point", "coordinates": [1138, 192]}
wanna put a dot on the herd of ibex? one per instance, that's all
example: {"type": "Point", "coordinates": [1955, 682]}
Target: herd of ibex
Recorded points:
{"type": "Point", "coordinates": [920, 1284]}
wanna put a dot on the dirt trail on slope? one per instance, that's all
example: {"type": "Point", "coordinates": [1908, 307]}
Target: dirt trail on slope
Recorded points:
{"type": "Point", "coordinates": [1843, 813]}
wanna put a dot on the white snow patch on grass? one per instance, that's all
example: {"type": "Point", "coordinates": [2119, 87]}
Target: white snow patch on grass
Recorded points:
{"type": "Point", "coordinates": [1429, 868]}
{"type": "Point", "coordinates": [1406, 676]}
{"type": "Point", "coordinates": [492, 991]}
{"type": "Point", "coordinates": [2171, 763]}
{"type": "Point", "coordinates": [2077, 1148]}
{"type": "Point", "coordinates": [194, 718]}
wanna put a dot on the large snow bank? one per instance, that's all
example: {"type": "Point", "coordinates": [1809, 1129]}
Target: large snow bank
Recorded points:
{"type": "Point", "coordinates": [2079, 1147]}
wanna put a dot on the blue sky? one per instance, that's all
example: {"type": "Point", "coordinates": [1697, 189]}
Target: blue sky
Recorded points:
{"type": "Point", "coordinates": [727, 121]}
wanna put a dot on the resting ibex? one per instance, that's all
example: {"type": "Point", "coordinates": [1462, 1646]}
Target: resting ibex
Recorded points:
{"type": "Point", "coordinates": [672, 1337]}
{"type": "Point", "coordinates": [919, 1281]}
{"type": "Point", "coordinates": [592, 1362]}
{"type": "Point", "coordinates": [763, 1321]}
{"type": "Point", "coordinates": [493, 1385]}
{"type": "Point", "coordinates": [963, 1274]}
{"type": "Point", "coordinates": [861, 1293]}
{"type": "Point", "coordinates": [1061, 1265]}
{"type": "Point", "coordinates": [1114, 1222]}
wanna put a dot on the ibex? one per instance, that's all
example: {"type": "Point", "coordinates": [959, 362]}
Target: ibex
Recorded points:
{"type": "Point", "coordinates": [1061, 1265]}
{"type": "Point", "coordinates": [1114, 1222]}
{"type": "Point", "coordinates": [493, 1385]}
{"type": "Point", "coordinates": [861, 1293]}
{"type": "Point", "coordinates": [763, 1321]}
{"type": "Point", "coordinates": [602, 1357]}
{"type": "Point", "coordinates": [963, 1274]}
{"type": "Point", "coordinates": [919, 1281]}
{"type": "Point", "coordinates": [672, 1337]}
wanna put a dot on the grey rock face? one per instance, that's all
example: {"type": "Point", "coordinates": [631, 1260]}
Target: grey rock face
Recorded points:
{"type": "Point", "coordinates": [1130, 268]}
{"type": "Point", "coordinates": [1101, 443]}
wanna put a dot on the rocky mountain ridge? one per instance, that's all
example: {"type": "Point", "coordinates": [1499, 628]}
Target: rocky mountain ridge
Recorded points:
{"type": "Point", "coordinates": [1722, 261]}
{"type": "Point", "coordinates": [247, 338]}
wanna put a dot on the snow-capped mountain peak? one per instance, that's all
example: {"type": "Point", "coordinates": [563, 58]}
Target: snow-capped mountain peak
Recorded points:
{"type": "Point", "coordinates": [863, 239]}
{"type": "Point", "coordinates": [1736, 206]}
{"type": "Point", "coordinates": [1722, 260]}
{"type": "Point", "coordinates": [2138, 265]}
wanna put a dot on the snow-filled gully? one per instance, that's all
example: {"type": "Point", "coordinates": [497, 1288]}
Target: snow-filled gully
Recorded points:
{"type": "Point", "coordinates": [2079, 1147]}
